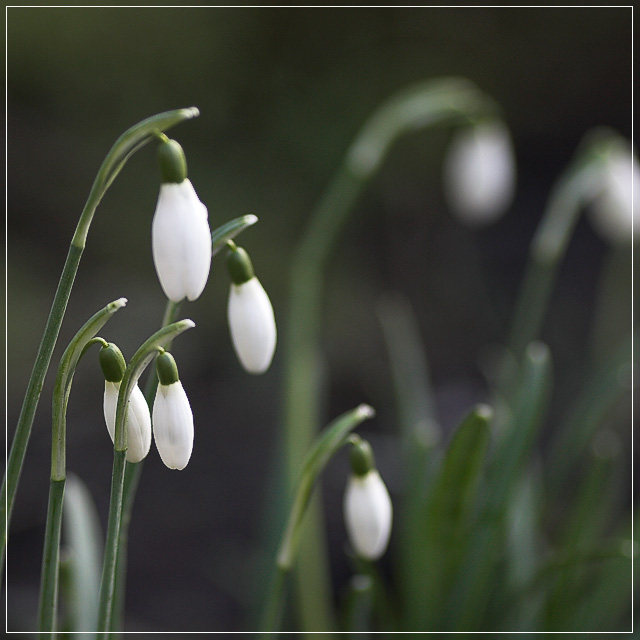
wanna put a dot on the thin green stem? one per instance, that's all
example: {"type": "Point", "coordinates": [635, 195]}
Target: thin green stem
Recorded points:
{"type": "Point", "coordinates": [420, 106]}
{"type": "Point", "coordinates": [51, 554]}
{"type": "Point", "coordinates": [140, 360]}
{"type": "Point", "coordinates": [272, 615]}
{"type": "Point", "coordinates": [107, 585]}
{"type": "Point", "coordinates": [32, 396]}
{"type": "Point", "coordinates": [131, 480]}
{"type": "Point", "coordinates": [48, 607]}
{"type": "Point", "coordinates": [579, 184]}
{"type": "Point", "coordinates": [125, 146]}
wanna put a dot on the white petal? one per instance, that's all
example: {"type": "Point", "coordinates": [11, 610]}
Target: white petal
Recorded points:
{"type": "Point", "coordinates": [181, 241]}
{"type": "Point", "coordinates": [109, 404]}
{"type": "Point", "coordinates": [173, 425]}
{"type": "Point", "coordinates": [252, 325]}
{"type": "Point", "coordinates": [138, 427]}
{"type": "Point", "coordinates": [138, 424]}
{"type": "Point", "coordinates": [368, 514]}
{"type": "Point", "coordinates": [479, 173]}
{"type": "Point", "coordinates": [614, 213]}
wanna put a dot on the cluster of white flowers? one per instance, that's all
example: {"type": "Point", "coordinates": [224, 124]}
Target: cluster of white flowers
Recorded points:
{"type": "Point", "coordinates": [182, 251]}
{"type": "Point", "coordinates": [172, 416]}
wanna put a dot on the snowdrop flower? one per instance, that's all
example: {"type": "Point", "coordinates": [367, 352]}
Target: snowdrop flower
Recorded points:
{"type": "Point", "coordinates": [367, 506]}
{"type": "Point", "coordinates": [614, 213]}
{"type": "Point", "coordinates": [172, 416]}
{"type": "Point", "coordinates": [250, 314]}
{"type": "Point", "coordinates": [479, 173]}
{"type": "Point", "coordinates": [138, 422]}
{"type": "Point", "coordinates": [180, 232]}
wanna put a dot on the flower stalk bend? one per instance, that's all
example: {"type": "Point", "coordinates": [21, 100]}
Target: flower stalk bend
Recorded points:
{"type": "Point", "coordinates": [48, 604]}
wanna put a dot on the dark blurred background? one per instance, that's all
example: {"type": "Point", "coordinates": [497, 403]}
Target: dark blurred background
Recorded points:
{"type": "Point", "coordinates": [282, 92]}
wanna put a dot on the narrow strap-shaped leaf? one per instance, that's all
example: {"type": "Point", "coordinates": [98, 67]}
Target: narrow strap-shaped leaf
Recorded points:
{"type": "Point", "coordinates": [83, 546]}
{"type": "Point", "coordinates": [475, 580]}
{"type": "Point", "coordinates": [440, 534]}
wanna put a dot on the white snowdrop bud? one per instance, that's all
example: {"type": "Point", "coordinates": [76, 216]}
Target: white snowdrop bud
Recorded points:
{"type": "Point", "coordinates": [138, 421]}
{"type": "Point", "coordinates": [172, 416]}
{"type": "Point", "coordinates": [181, 237]}
{"type": "Point", "coordinates": [479, 173]}
{"type": "Point", "coordinates": [615, 213]}
{"type": "Point", "coordinates": [367, 506]}
{"type": "Point", "coordinates": [250, 315]}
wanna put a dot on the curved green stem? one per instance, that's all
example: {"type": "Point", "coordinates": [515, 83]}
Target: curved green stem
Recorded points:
{"type": "Point", "coordinates": [418, 107]}
{"type": "Point", "coordinates": [336, 435]}
{"type": "Point", "coordinates": [47, 610]}
{"type": "Point", "coordinates": [125, 146]}
{"type": "Point", "coordinates": [140, 360]}
{"type": "Point", "coordinates": [577, 186]}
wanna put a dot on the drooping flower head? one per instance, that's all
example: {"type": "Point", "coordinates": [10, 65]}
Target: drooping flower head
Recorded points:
{"type": "Point", "coordinates": [250, 314]}
{"type": "Point", "coordinates": [172, 415]}
{"type": "Point", "coordinates": [615, 213]}
{"type": "Point", "coordinates": [368, 512]}
{"type": "Point", "coordinates": [138, 421]}
{"type": "Point", "coordinates": [181, 237]}
{"type": "Point", "coordinates": [479, 172]}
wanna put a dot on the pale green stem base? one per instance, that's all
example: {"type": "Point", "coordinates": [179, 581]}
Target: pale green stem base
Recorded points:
{"type": "Point", "coordinates": [48, 607]}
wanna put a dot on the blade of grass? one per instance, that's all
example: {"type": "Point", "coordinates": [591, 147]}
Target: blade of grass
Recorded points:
{"type": "Point", "coordinates": [441, 531]}
{"type": "Point", "coordinates": [475, 580]}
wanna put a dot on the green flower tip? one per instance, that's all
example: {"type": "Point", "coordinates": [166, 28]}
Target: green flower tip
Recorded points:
{"type": "Point", "coordinates": [191, 112]}
{"type": "Point", "coordinates": [167, 369]}
{"type": "Point", "coordinates": [361, 457]}
{"type": "Point", "coordinates": [112, 363]}
{"type": "Point", "coordinates": [239, 265]}
{"type": "Point", "coordinates": [172, 161]}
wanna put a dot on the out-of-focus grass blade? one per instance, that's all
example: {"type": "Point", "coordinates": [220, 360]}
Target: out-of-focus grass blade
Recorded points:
{"type": "Point", "coordinates": [420, 431]}
{"type": "Point", "coordinates": [591, 513]}
{"type": "Point", "coordinates": [524, 549]}
{"type": "Point", "coordinates": [443, 525]}
{"type": "Point", "coordinates": [84, 544]}
{"type": "Point", "coordinates": [605, 603]}
{"type": "Point", "coordinates": [605, 386]}
{"type": "Point", "coordinates": [475, 580]}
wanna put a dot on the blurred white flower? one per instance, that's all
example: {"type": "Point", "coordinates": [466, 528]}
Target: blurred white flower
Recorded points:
{"type": "Point", "coordinates": [615, 212]}
{"type": "Point", "coordinates": [367, 514]}
{"type": "Point", "coordinates": [480, 173]}
{"type": "Point", "coordinates": [173, 425]}
{"type": "Point", "coordinates": [138, 423]}
{"type": "Point", "coordinates": [181, 240]}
